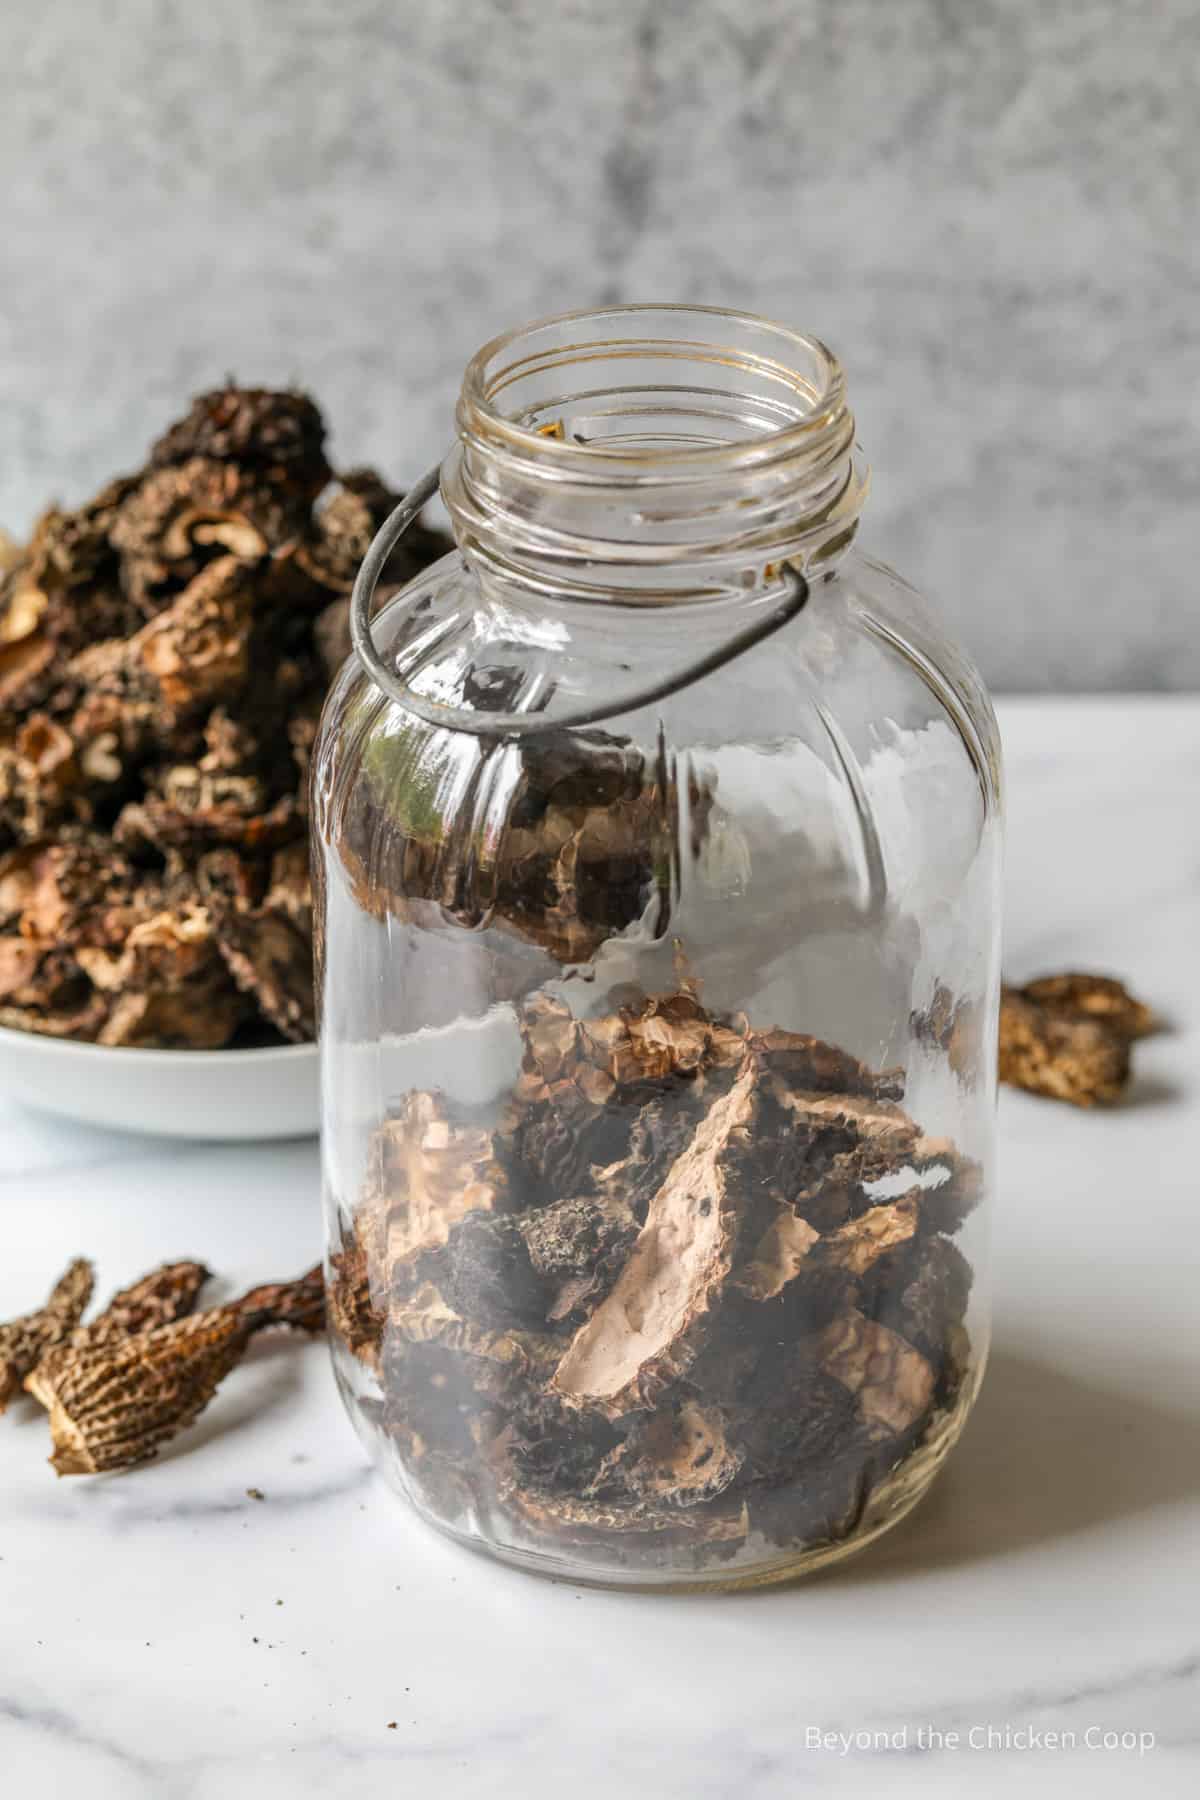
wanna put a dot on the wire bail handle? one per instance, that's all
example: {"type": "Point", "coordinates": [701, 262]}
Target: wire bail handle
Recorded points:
{"type": "Point", "coordinates": [523, 724]}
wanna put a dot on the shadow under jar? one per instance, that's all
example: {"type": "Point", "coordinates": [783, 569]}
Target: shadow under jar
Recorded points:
{"type": "Point", "coordinates": [658, 1052]}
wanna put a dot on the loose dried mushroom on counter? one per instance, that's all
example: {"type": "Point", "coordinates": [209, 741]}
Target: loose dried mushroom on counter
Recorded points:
{"type": "Point", "coordinates": [1069, 1037]}
{"type": "Point", "coordinates": [24, 1341]}
{"type": "Point", "coordinates": [121, 1386]}
{"type": "Point", "coordinates": [696, 1282]}
{"type": "Point", "coordinates": [164, 654]}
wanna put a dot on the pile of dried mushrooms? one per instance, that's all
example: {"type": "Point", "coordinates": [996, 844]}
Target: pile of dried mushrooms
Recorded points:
{"type": "Point", "coordinates": [164, 654]}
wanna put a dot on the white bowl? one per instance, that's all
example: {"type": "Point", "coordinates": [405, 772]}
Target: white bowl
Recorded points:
{"type": "Point", "coordinates": [241, 1094]}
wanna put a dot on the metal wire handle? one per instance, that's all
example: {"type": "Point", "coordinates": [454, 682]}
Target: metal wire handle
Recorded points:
{"type": "Point", "coordinates": [524, 724]}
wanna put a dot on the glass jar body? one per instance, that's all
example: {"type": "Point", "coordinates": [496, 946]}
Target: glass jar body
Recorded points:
{"type": "Point", "coordinates": [658, 1075]}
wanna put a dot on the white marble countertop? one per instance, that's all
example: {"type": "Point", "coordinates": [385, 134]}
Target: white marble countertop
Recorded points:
{"type": "Point", "coordinates": [164, 1636]}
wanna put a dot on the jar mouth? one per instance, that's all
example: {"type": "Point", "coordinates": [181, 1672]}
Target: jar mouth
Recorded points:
{"type": "Point", "coordinates": [652, 452]}
{"type": "Point", "coordinates": [755, 390]}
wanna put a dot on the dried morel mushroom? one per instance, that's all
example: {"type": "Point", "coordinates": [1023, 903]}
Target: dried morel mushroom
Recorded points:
{"type": "Point", "coordinates": [643, 1337]}
{"type": "Point", "coordinates": [24, 1341]}
{"type": "Point", "coordinates": [694, 1282]}
{"type": "Point", "coordinates": [159, 1298]}
{"type": "Point", "coordinates": [164, 654]}
{"type": "Point", "coordinates": [591, 828]}
{"type": "Point", "coordinates": [253, 428]}
{"type": "Point", "coordinates": [352, 1315]}
{"type": "Point", "coordinates": [114, 1399]}
{"type": "Point", "coordinates": [1096, 997]}
{"type": "Point", "coordinates": [1068, 1037]}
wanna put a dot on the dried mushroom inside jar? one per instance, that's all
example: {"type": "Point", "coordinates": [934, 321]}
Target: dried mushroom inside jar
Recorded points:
{"type": "Point", "coordinates": [670, 1294]}
{"type": "Point", "coordinates": [560, 842]}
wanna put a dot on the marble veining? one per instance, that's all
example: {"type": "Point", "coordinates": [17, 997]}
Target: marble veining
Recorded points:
{"type": "Point", "coordinates": [988, 208]}
{"type": "Point", "coordinates": [165, 1636]}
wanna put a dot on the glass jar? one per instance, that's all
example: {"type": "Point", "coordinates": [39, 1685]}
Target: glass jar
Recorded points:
{"type": "Point", "coordinates": [657, 930]}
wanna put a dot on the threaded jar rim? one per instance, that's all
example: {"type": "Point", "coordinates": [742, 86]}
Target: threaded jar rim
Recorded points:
{"type": "Point", "coordinates": [816, 421]}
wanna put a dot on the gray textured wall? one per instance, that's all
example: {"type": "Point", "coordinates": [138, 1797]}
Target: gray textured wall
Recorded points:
{"type": "Point", "coordinates": [989, 209]}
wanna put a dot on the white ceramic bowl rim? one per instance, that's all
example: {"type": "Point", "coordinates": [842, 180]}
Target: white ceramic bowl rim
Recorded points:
{"type": "Point", "coordinates": [44, 1041]}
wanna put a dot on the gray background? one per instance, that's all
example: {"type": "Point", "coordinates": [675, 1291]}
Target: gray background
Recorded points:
{"type": "Point", "coordinates": [990, 210]}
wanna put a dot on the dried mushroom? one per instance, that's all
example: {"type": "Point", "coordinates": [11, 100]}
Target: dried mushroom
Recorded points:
{"type": "Point", "coordinates": [255, 428]}
{"type": "Point", "coordinates": [115, 1397]}
{"type": "Point", "coordinates": [1097, 996]}
{"type": "Point", "coordinates": [344, 525]}
{"type": "Point", "coordinates": [1068, 1037]}
{"type": "Point", "coordinates": [176, 518]}
{"type": "Point", "coordinates": [24, 1341]}
{"type": "Point", "coordinates": [679, 1455]}
{"type": "Point", "coordinates": [429, 1171]}
{"type": "Point", "coordinates": [270, 958]}
{"type": "Point", "coordinates": [352, 1312]}
{"type": "Point", "coordinates": [577, 1247]}
{"type": "Point", "coordinates": [159, 1298]}
{"type": "Point", "coordinates": [164, 654]}
{"type": "Point", "coordinates": [891, 1382]}
{"type": "Point", "coordinates": [691, 1282]}
{"type": "Point", "coordinates": [588, 848]}
{"type": "Point", "coordinates": [642, 1338]}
